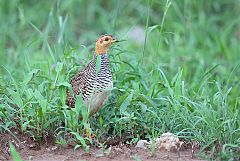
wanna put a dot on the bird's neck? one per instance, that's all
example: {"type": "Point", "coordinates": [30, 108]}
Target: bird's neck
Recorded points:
{"type": "Point", "coordinates": [104, 62]}
{"type": "Point", "coordinates": [104, 65]}
{"type": "Point", "coordinates": [101, 50]}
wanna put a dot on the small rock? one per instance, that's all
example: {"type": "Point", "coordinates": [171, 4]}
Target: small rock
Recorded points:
{"type": "Point", "coordinates": [142, 144]}
{"type": "Point", "coordinates": [34, 146]}
{"type": "Point", "coordinates": [118, 150]}
{"type": "Point", "coordinates": [53, 148]}
{"type": "Point", "coordinates": [103, 152]}
{"type": "Point", "coordinates": [169, 142]}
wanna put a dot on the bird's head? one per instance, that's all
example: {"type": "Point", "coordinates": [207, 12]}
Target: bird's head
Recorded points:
{"type": "Point", "coordinates": [103, 43]}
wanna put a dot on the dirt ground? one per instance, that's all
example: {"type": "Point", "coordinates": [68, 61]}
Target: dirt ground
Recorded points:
{"type": "Point", "coordinates": [30, 150]}
{"type": "Point", "coordinates": [116, 153]}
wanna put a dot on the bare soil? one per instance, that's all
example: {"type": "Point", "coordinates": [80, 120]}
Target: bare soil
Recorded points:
{"type": "Point", "coordinates": [48, 151]}
{"type": "Point", "coordinates": [124, 153]}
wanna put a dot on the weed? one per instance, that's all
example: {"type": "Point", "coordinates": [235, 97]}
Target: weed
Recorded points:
{"type": "Point", "coordinates": [184, 77]}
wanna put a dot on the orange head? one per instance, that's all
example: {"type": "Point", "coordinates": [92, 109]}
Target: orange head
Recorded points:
{"type": "Point", "coordinates": [103, 43]}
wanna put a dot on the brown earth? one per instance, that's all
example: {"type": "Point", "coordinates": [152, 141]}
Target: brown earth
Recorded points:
{"type": "Point", "coordinates": [48, 151]}
{"type": "Point", "coordinates": [123, 153]}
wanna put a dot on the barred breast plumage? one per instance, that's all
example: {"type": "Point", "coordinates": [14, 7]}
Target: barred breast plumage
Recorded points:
{"type": "Point", "coordinates": [93, 85]}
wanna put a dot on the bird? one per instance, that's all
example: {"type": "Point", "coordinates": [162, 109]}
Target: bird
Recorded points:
{"type": "Point", "coordinates": [93, 83]}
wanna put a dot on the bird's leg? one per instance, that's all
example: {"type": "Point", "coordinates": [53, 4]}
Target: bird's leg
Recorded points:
{"type": "Point", "coordinates": [89, 135]}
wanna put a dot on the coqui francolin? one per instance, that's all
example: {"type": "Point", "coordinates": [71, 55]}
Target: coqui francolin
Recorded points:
{"type": "Point", "coordinates": [91, 83]}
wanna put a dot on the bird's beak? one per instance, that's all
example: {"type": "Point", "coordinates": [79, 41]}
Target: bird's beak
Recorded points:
{"type": "Point", "coordinates": [114, 40]}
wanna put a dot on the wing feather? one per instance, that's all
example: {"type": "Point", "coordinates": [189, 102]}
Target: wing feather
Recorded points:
{"type": "Point", "coordinates": [79, 84]}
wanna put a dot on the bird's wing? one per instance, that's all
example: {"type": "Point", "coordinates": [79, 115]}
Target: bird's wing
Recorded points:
{"type": "Point", "coordinates": [77, 82]}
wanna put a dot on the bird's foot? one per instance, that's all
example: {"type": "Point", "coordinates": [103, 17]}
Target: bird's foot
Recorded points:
{"type": "Point", "coordinates": [89, 135]}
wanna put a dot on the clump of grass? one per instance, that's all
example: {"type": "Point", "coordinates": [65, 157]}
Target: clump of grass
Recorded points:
{"type": "Point", "coordinates": [186, 81]}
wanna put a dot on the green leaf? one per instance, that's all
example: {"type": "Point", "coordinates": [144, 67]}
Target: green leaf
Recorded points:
{"type": "Point", "coordinates": [78, 102]}
{"type": "Point", "coordinates": [49, 121]}
{"type": "Point", "coordinates": [7, 107]}
{"type": "Point", "coordinates": [177, 83]}
{"type": "Point", "coordinates": [29, 93]}
{"type": "Point", "coordinates": [38, 95]}
{"type": "Point", "coordinates": [77, 146]}
{"type": "Point", "coordinates": [210, 71]}
{"type": "Point", "coordinates": [42, 85]}
{"type": "Point", "coordinates": [63, 86]}
{"type": "Point", "coordinates": [62, 94]}
{"type": "Point", "coordinates": [121, 99]}
{"type": "Point", "coordinates": [152, 28]}
{"type": "Point", "coordinates": [81, 139]}
{"type": "Point", "coordinates": [100, 121]}
{"type": "Point", "coordinates": [24, 125]}
{"type": "Point", "coordinates": [2, 115]}
{"type": "Point", "coordinates": [14, 81]}
{"type": "Point", "coordinates": [29, 76]}
{"type": "Point", "coordinates": [80, 107]}
{"type": "Point", "coordinates": [150, 3]}
{"type": "Point", "coordinates": [98, 63]}
{"type": "Point", "coordinates": [126, 103]}
{"type": "Point", "coordinates": [16, 98]}
{"type": "Point", "coordinates": [15, 155]}
{"type": "Point", "coordinates": [146, 100]}
{"type": "Point", "coordinates": [43, 104]}
{"type": "Point", "coordinates": [31, 111]}
{"type": "Point", "coordinates": [166, 83]}
{"type": "Point", "coordinates": [59, 67]}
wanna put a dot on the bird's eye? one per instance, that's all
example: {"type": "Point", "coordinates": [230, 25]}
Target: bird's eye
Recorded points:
{"type": "Point", "coordinates": [106, 39]}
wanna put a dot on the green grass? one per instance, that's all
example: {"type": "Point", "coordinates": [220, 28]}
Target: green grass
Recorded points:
{"type": "Point", "coordinates": [182, 78]}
